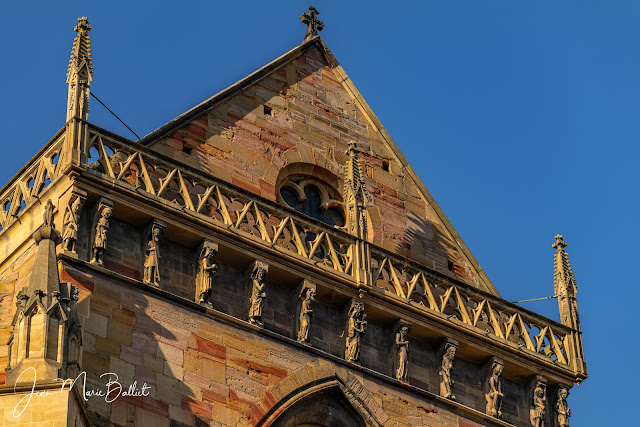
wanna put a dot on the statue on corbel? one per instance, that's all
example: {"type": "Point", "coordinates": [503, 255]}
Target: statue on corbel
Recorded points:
{"type": "Point", "coordinates": [257, 275]}
{"type": "Point", "coordinates": [207, 269]}
{"type": "Point", "coordinates": [401, 348]}
{"type": "Point", "coordinates": [493, 387]}
{"type": "Point", "coordinates": [562, 407]}
{"type": "Point", "coordinates": [71, 224]}
{"type": "Point", "coordinates": [356, 328]}
{"type": "Point", "coordinates": [151, 268]}
{"type": "Point", "coordinates": [449, 349]}
{"type": "Point", "coordinates": [306, 295]}
{"type": "Point", "coordinates": [100, 229]}
{"type": "Point", "coordinates": [538, 409]}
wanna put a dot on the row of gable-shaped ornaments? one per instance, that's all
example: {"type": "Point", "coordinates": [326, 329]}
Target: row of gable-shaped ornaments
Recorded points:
{"type": "Point", "coordinates": [356, 323]}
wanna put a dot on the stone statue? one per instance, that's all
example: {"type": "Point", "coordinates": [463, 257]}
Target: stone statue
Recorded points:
{"type": "Point", "coordinates": [562, 408]}
{"type": "Point", "coordinates": [258, 273]}
{"type": "Point", "coordinates": [151, 270]}
{"type": "Point", "coordinates": [538, 405]}
{"type": "Point", "coordinates": [307, 295]}
{"type": "Point", "coordinates": [207, 270]}
{"type": "Point", "coordinates": [402, 352]}
{"type": "Point", "coordinates": [446, 377]}
{"type": "Point", "coordinates": [356, 327]}
{"type": "Point", "coordinates": [100, 238]}
{"type": "Point", "coordinates": [21, 300]}
{"type": "Point", "coordinates": [71, 221]}
{"type": "Point", "coordinates": [48, 215]}
{"type": "Point", "coordinates": [493, 390]}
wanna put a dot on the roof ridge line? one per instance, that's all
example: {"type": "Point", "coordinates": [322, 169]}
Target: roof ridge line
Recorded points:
{"type": "Point", "coordinates": [395, 150]}
{"type": "Point", "coordinates": [228, 91]}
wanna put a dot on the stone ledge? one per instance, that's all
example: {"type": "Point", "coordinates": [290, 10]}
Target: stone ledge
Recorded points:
{"type": "Point", "coordinates": [328, 368]}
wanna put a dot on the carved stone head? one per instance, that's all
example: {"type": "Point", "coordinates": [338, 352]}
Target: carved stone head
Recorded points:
{"type": "Point", "coordinates": [308, 293]}
{"type": "Point", "coordinates": [209, 253]}
{"type": "Point", "coordinates": [451, 351]}
{"type": "Point", "coordinates": [539, 391]}
{"type": "Point", "coordinates": [259, 271]}
{"type": "Point", "coordinates": [106, 212]}
{"type": "Point", "coordinates": [75, 207]}
{"type": "Point", "coordinates": [403, 331]}
{"type": "Point", "coordinates": [563, 393]}
{"type": "Point", "coordinates": [356, 309]}
{"type": "Point", "coordinates": [497, 369]}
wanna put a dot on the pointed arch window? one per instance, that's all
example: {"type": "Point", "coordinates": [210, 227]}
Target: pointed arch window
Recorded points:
{"type": "Point", "coordinates": [311, 190]}
{"type": "Point", "coordinates": [313, 198]}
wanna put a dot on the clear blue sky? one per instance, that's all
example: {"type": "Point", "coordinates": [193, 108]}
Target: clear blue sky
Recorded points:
{"type": "Point", "coordinates": [521, 119]}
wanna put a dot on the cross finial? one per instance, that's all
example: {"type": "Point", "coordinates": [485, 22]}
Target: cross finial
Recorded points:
{"type": "Point", "coordinates": [352, 149]}
{"type": "Point", "coordinates": [314, 25]}
{"type": "Point", "coordinates": [81, 51]}
{"type": "Point", "coordinates": [559, 243]}
{"type": "Point", "coordinates": [83, 25]}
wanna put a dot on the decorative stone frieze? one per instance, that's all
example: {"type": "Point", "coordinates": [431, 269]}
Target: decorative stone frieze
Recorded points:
{"type": "Point", "coordinates": [493, 387]}
{"type": "Point", "coordinates": [417, 288]}
{"type": "Point", "coordinates": [151, 268]}
{"type": "Point", "coordinates": [448, 350]}
{"type": "Point", "coordinates": [306, 293]}
{"type": "Point", "coordinates": [207, 270]}
{"type": "Point", "coordinates": [100, 229]}
{"type": "Point", "coordinates": [401, 350]}
{"type": "Point", "coordinates": [257, 275]}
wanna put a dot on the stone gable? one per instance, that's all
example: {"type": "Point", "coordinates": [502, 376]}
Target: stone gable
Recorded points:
{"type": "Point", "coordinates": [303, 113]}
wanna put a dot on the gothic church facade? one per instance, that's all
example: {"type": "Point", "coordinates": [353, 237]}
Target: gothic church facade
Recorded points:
{"type": "Point", "coordinates": [269, 257]}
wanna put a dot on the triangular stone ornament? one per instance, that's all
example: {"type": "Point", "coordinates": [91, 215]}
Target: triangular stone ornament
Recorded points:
{"type": "Point", "coordinates": [302, 112]}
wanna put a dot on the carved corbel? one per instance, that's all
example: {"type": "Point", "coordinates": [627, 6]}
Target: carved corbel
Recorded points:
{"type": "Point", "coordinates": [151, 267]}
{"type": "Point", "coordinates": [305, 296]}
{"type": "Point", "coordinates": [99, 229]}
{"type": "Point", "coordinates": [537, 387]}
{"type": "Point", "coordinates": [493, 387]}
{"type": "Point", "coordinates": [71, 221]}
{"type": "Point", "coordinates": [448, 353]}
{"type": "Point", "coordinates": [207, 270]}
{"type": "Point", "coordinates": [257, 276]}
{"type": "Point", "coordinates": [401, 350]}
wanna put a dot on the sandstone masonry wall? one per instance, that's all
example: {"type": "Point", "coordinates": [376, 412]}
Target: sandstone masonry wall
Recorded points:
{"type": "Point", "coordinates": [302, 113]}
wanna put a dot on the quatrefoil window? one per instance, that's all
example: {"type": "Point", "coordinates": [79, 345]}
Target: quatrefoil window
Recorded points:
{"type": "Point", "coordinates": [313, 198]}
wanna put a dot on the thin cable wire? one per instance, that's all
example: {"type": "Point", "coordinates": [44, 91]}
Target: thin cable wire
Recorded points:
{"type": "Point", "coordinates": [114, 114]}
{"type": "Point", "coordinates": [535, 299]}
